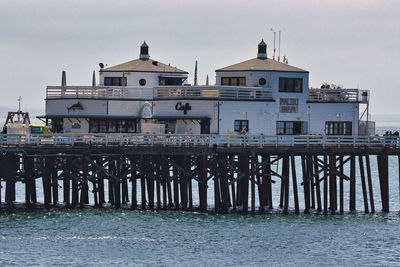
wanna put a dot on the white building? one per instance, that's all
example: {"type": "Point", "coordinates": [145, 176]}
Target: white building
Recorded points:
{"type": "Point", "coordinates": [257, 96]}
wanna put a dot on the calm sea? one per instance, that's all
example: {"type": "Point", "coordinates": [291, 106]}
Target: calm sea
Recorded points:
{"type": "Point", "coordinates": [135, 238]}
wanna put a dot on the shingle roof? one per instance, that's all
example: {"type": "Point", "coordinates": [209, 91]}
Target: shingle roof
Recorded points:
{"type": "Point", "coordinates": [140, 65]}
{"type": "Point", "coordinates": [257, 64]}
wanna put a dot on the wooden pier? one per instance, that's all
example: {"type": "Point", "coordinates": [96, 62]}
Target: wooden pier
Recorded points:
{"type": "Point", "coordinates": [224, 173]}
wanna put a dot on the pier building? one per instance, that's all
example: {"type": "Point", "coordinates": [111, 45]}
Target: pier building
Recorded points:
{"type": "Point", "coordinates": [257, 96]}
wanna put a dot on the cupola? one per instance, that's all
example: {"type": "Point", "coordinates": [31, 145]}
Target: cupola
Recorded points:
{"type": "Point", "coordinates": [262, 50]}
{"type": "Point", "coordinates": [144, 51]}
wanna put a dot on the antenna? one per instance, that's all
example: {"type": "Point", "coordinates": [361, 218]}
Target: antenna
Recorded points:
{"type": "Point", "coordinates": [279, 47]}
{"type": "Point", "coordinates": [274, 42]}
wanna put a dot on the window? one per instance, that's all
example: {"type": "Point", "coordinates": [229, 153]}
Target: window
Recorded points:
{"type": "Point", "coordinates": [102, 126]}
{"type": "Point", "coordinates": [262, 81]}
{"type": "Point", "coordinates": [94, 126]}
{"type": "Point", "coordinates": [241, 125]}
{"type": "Point", "coordinates": [338, 128]}
{"type": "Point", "coordinates": [114, 81]}
{"type": "Point", "coordinates": [142, 82]}
{"type": "Point", "coordinates": [291, 85]}
{"type": "Point", "coordinates": [112, 126]}
{"type": "Point", "coordinates": [233, 81]}
{"type": "Point", "coordinates": [291, 127]}
{"type": "Point", "coordinates": [170, 81]}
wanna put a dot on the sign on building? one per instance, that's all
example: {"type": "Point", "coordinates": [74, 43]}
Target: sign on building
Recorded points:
{"type": "Point", "coordinates": [289, 105]}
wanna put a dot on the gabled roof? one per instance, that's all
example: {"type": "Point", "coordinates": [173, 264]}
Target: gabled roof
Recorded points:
{"type": "Point", "coordinates": [257, 64]}
{"type": "Point", "coordinates": [140, 65]}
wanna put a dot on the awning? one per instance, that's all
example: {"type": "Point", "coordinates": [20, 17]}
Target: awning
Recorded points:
{"type": "Point", "coordinates": [87, 116]}
{"type": "Point", "coordinates": [180, 118]}
{"type": "Point", "coordinates": [172, 76]}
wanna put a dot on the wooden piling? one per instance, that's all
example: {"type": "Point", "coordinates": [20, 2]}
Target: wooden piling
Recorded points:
{"type": "Point", "coordinates": [286, 180]}
{"type": "Point", "coordinates": [253, 184]}
{"type": "Point", "coordinates": [332, 183]}
{"type": "Point", "coordinates": [364, 187]}
{"type": "Point", "coordinates": [369, 179]}
{"type": "Point", "coordinates": [341, 185]}
{"type": "Point", "coordinates": [306, 186]}
{"type": "Point", "coordinates": [352, 206]}
{"type": "Point", "coordinates": [325, 184]}
{"type": "Point", "coordinates": [294, 179]}
{"type": "Point", "coordinates": [317, 183]}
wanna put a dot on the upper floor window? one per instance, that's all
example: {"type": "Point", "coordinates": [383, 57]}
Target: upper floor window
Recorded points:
{"type": "Point", "coordinates": [338, 128]}
{"type": "Point", "coordinates": [115, 81]}
{"type": "Point", "coordinates": [233, 81]}
{"type": "Point", "coordinates": [291, 85]}
{"type": "Point", "coordinates": [170, 81]}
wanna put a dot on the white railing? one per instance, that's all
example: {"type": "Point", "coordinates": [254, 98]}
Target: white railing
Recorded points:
{"type": "Point", "coordinates": [97, 92]}
{"type": "Point", "coordinates": [213, 92]}
{"type": "Point", "coordinates": [121, 140]}
{"type": "Point", "coordinates": [160, 92]}
{"type": "Point", "coordinates": [337, 95]}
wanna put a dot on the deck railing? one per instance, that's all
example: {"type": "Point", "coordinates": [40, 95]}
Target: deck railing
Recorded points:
{"type": "Point", "coordinates": [161, 92]}
{"type": "Point", "coordinates": [177, 140]}
{"type": "Point", "coordinates": [98, 92]}
{"type": "Point", "coordinates": [213, 92]}
{"type": "Point", "coordinates": [338, 95]}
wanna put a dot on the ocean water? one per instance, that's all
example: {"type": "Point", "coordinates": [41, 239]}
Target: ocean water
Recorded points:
{"type": "Point", "coordinates": [90, 237]}
{"type": "Point", "coordinates": [134, 238]}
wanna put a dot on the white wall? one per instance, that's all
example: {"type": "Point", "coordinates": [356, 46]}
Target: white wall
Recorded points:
{"type": "Point", "coordinates": [323, 112]}
{"type": "Point", "coordinates": [252, 77]}
{"type": "Point", "coordinates": [123, 108]}
{"type": "Point", "coordinates": [90, 107]}
{"type": "Point", "coordinates": [133, 78]}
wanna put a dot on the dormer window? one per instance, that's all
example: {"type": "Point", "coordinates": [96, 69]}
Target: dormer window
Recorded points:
{"type": "Point", "coordinates": [115, 81]}
{"type": "Point", "coordinates": [233, 81]}
{"type": "Point", "coordinates": [290, 85]}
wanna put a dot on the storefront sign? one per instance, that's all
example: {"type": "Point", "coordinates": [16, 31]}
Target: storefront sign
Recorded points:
{"type": "Point", "coordinates": [289, 105]}
{"type": "Point", "coordinates": [185, 108]}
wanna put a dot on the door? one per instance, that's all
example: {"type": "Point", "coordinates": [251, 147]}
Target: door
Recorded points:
{"type": "Point", "coordinates": [205, 126]}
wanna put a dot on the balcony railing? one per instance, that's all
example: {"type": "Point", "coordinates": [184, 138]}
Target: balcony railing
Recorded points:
{"type": "Point", "coordinates": [213, 92]}
{"type": "Point", "coordinates": [338, 95]}
{"type": "Point", "coordinates": [198, 92]}
{"type": "Point", "coordinates": [161, 92]}
{"type": "Point", "coordinates": [97, 92]}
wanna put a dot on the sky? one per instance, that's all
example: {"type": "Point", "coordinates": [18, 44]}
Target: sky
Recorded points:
{"type": "Point", "coordinates": [352, 43]}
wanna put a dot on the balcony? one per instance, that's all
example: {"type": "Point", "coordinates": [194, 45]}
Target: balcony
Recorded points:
{"type": "Point", "coordinates": [160, 93]}
{"type": "Point", "coordinates": [213, 92]}
{"type": "Point", "coordinates": [338, 95]}
{"type": "Point", "coordinates": [98, 92]}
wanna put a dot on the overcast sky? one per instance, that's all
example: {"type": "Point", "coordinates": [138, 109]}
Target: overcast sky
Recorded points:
{"type": "Point", "coordinates": [352, 43]}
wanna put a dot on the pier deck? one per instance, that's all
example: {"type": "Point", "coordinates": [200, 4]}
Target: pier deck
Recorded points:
{"type": "Point", "coordinates": [167, 170]}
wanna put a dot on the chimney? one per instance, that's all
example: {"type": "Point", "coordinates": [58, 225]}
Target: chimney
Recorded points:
{"type": "Point", "coordinates": [144, 51]}
{"type": "Point", "coordinates": [262, 50]}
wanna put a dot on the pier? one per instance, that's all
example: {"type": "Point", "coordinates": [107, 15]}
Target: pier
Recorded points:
{"type": "Point", "coordinates": [226, 173]}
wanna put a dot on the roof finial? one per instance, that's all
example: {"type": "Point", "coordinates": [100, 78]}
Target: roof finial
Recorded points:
{"type": "Point", "coordinates": [63, 79]}
{"type": "Point", "coordinates": [144, 51]}
{"type": "Point", "coordinates": [195, 73]}
{"type": "Point", "coordinates": [262, 50]}
{"type": "Point", "coordinates": [94, 79]}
